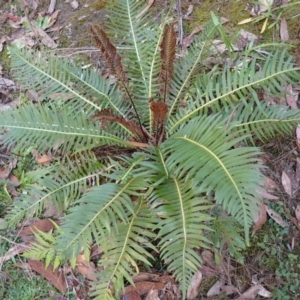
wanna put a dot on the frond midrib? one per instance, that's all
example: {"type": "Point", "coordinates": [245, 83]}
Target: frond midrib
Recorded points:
{"type": "Point", "coordinates": [209, 103]}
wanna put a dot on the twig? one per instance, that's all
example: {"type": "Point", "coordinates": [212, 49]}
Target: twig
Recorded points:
{"type": "Point", "coordinates": [180, 27]}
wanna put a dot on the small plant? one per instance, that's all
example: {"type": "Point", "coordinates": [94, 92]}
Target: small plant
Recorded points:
{"type": "Point", "coordinates": [182, 164]}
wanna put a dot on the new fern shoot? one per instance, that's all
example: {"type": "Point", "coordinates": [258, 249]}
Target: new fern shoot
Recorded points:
{"type": "Point", "coordinates": [184, 135]}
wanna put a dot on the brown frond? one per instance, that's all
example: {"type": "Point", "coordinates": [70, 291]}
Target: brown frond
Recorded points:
{"type": "Point", "coordinates": [106, 115]}
{"type": "Point", "coordinates": [159, 112]}
{"type": "Point", "coordinates": [109, 52]}
{"type": "Point", "coordinates": [167, 58]}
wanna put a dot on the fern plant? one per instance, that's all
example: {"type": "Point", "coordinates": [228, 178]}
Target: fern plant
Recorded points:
{"type": "Point", "coordinates": [176, 146]}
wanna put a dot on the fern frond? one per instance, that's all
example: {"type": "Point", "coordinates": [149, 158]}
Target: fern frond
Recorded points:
{"type": "Point", "coordinates": [58, 185]}
{"type": "Point", "coordinates": [58, 79]}
{"type": "Point", "coordinates": [105, 206]}
{"type": "Point", "coordinates": [132, 242]}
{"type": "Point", "coordinates": [107, 115]}
{"type": "Point", "coordinates": [184, 69]}
{"type": "Point", "coordinates": [265, 121]}
{"type": "Point", "coordinates": [159, 111]}
{"type": "Point", "coordinates": [239, 85]}
{"type": "Point", "coordinates": [181, 228]}
{"type": "Point", "coordinates": [141, 52]}
{"type": "Point", "coordinates": [202, 151]}
{"type": "Point", "coordinates": [167, 54]}
{"type": "Point", "coordinates": [42, 126]}
{"type": "Point", "coordinates": [227, 234]}
{"type": "Point", "coordinates": [109, 52]}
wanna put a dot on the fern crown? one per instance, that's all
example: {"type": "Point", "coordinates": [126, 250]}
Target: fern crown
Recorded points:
{"type": "Point", "coordinates": [184, 135]}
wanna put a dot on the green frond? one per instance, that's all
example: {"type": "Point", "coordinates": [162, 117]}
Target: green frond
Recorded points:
{"type": "Point", "coordinates": [184, 68]}
{"type": "Point", "coordinates": [132, 242]}
{"type": "Point", "coordinates": [227, 234]}
{"type": "Point", "coordinates": [43, 126]}
{"type": "Point", "coordinates": [42, 249]}
{"type": "Point", "coordinates": [105, 206]}
{"type": "Point", "coordinates": [183, 221]}
{"type": "Point", "coordinates": [58, 79]}
{"type": "Point", "coordinates": [265, 121]}
{"type": "Point", "coordinates": [141, 57]}
{"type": "Point", "coordinates": [58, 185]}
{"type": "Point", "coordinates": [239, 85]}
{"type": "Point", "coordinates": [203, 151]}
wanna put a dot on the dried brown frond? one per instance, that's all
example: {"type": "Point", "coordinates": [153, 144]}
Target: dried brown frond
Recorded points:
{"type": "Point", "coordinates": [109, 52]}
{"type": "Point", "coordinates": [167, 58]}
{"type": "Point", "coordinates": [106, 115]}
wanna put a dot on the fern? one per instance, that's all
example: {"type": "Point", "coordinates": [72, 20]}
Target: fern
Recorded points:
{"type": "Point", "coordinates": [177, 131]}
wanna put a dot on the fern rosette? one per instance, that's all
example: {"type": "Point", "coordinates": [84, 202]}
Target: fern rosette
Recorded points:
{"type": "Point", "coordinates": [185, 141]}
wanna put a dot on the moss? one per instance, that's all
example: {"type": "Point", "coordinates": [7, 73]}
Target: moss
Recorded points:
{"type": "Point", "coordinates": [236, 11]}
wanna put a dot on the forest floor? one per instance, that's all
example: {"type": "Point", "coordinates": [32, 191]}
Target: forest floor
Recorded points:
{"type": "Point", "coordinates": [270, 267]}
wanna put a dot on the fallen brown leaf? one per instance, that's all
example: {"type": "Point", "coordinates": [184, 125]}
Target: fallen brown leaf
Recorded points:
{"type": "Point", "coordinates": [153, 295]}
{"type": "Point", "coordinates": [216, 288]}
{"type": "Point", "coordinates": [260, 217]}
{"type": "Point", "coordinates": [56, 277]}
{"type": "Point", "coordinates": [86, 268]}
{"type": "Point", "coordinates": [286, 183]}
{"type": "Point", "coordinates": [13, 251]}
{"type": "Point", "coordinates": [132, 296]}
{"type": "Point", "coordinates": [284, 33]}
{"type": "Point", "coordinates": [276, 217]}
{"type": "Point", "coordinates": [143, 287]}
{"type": "Point", "coordinates": [194, 287]}
{"type": "Point", "coordinates": [297, 212]}
{"type": "Point", "coordinates": [44, 225]}
{"type": "Point", "coordinates": [253, 291]}
{"type": "Point", "coordinates": [291, 96]}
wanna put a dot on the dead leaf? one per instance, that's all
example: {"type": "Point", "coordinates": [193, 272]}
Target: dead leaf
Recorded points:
{"type": "Point", "coordinates": [132, 296]}
{"type": "Point", "coordinates": [150, 2]}
{"type": "Point", "coordinates": [46, 39]}
{"type": "Point", "coordinates": [297, 212]}
{"type": "Point", "coordinates": [44, 160]}
{"type": "Point", "coordinates": [5, 170]}
{"type": "Point", "coordinates": [194, 287]}
{"type": "Point", "coordinates": [153, 295]}
{"type": "Point", "coordinates": [24, 40]}
{"type": "Point", "coordinates": [267, 195]}
{"type": "Point", "coordinates": [260, 217]}
{"type": "Point", "coordinates": [216, 288]}
{"type": "Point", "coordinates": [276, 217]}
{"type": "Point", "coordinates": [286, 183]}
{"type": "Point", "coordinates": [143, 287]}
{"type": "Point", "coordinates": [56, 277]}
{"type": "Point", "coordinates": [33, 4]}
{"type": "Point", "coordinates": [253, 291]}
{"type": "Point", "coordinates": [51, 6]}
{"type": "Point", "coordinates": [298, 169]}
{"type": "Point", "coordinates": [86, 268]}
{"type": "Point", "coordinates": [13, 18]}
{"type": "Point", "coordinates": [44, 225]}
{"type": "Point", "coordinates": [15, 250]}
{"type": "Point", "coordinates": [244, 38]}
{"type": "Point", "coordinates": [297, 141]}
{"type": "Point", "coordinates": [3, 17]}
{"type": "Point", "coordinates": [291, 97]}
{"type": "Point", "coordinates": [188, 12]}
{"type": "Point", "coordinates": [270, 185]}
{"type": "Point", "coordinates": [12, 178]}
{"type": "Point", "coordinates": [284, 33]}
{"type": "Point", "coordinates": [74, 4]}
